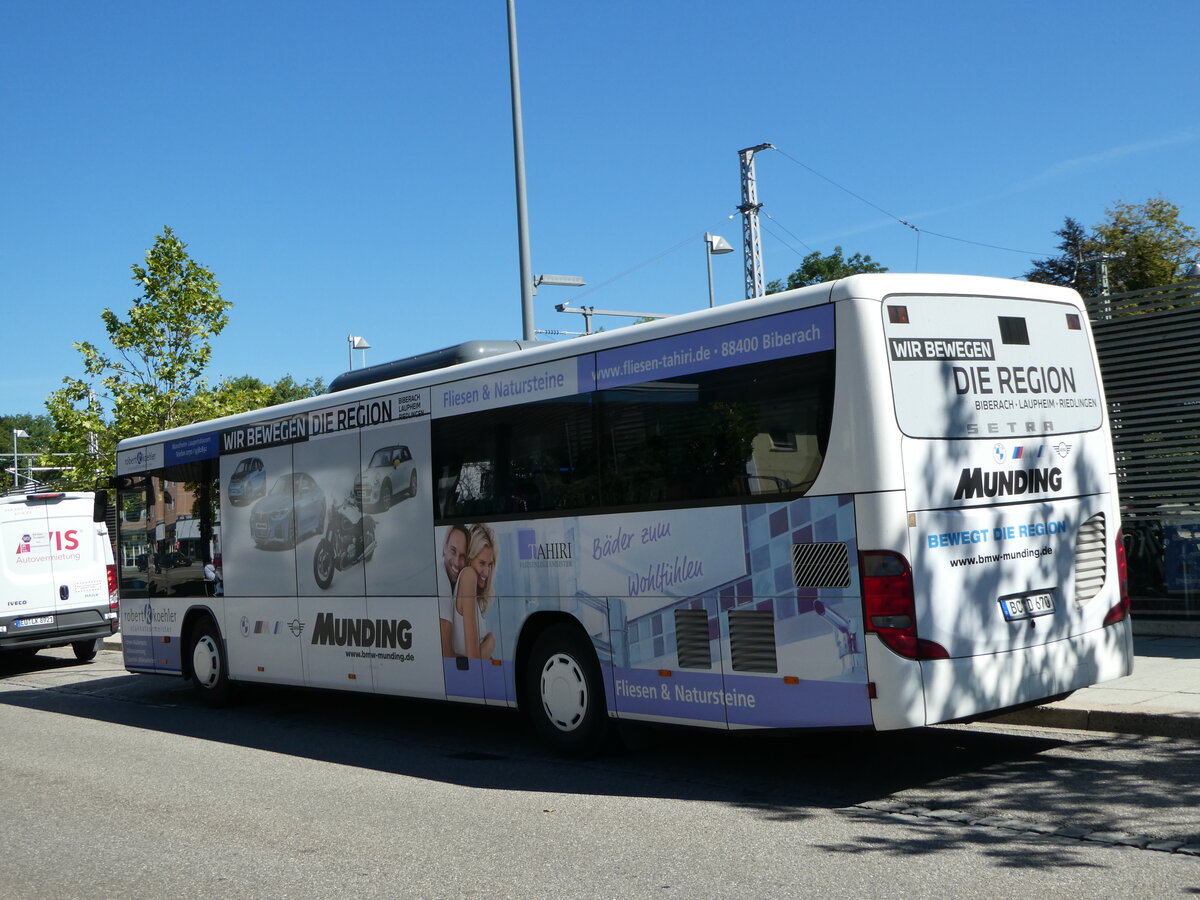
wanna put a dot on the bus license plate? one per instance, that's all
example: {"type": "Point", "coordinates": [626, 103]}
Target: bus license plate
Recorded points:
{"type": "Point", "coordinates": [1028, 606]}
{"type": "Point", "coordinates": [36, 620]}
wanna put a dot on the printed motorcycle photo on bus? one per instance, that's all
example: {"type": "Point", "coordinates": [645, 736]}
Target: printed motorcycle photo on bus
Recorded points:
{"type": "Point", "coordinates": [349, 537]}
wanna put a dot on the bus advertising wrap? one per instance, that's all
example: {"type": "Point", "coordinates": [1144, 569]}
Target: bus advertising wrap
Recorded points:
{"type": "Point", "coordinates": [632, 578]}
{"type": "Point", "coordinates": [756, 340]}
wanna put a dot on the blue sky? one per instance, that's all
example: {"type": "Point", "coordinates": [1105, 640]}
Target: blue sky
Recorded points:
{"type": "Point", "coordinates": [347, 168]}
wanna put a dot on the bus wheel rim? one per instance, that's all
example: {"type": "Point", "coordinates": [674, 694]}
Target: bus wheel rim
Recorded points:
{"type": "Point", "coordinates": [206, 662]}
{"type": "Point", "coordinates": [564, 692]}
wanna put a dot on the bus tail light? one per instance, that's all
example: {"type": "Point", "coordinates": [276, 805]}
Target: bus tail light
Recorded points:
{"type": "Point", "coordinates": [1121, 610]}
{"type": "Point", "coordinates": [889, 607]}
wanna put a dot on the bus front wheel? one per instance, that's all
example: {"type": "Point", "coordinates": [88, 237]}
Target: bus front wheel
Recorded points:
{"type": "Point", "coordinates": [564, 693]}
{"type": "Point", "coordinates": [209, 671]}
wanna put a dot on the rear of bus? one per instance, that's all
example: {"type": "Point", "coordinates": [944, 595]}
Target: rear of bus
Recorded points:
{"type": "Point", "coordinates": [1007, 585]}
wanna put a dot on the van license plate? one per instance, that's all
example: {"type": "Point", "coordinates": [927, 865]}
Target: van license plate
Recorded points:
{"type": "Point", "coordinates": [36, 620]}
{"type": "Point", "coordinates": [1028, 606]}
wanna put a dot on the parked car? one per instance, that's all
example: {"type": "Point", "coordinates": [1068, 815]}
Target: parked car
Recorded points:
{"type": "Point", "coordinates": [391, 473]}
{"type": "Point", "coordinates": [293, 510]}
{"type": "Point", "coordinates": [248, 481]}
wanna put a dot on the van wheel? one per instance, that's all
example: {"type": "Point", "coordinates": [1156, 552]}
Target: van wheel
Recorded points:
{"type": "Point", "coordinates": [564, 693]}
{"type": "Point", "coordinates": [209, 672]}
{"type": "Point", "coordinates": [85, 650]}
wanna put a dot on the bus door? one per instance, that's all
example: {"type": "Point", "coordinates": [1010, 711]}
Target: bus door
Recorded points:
{"type": "Point", "coordinates": [136, 526]}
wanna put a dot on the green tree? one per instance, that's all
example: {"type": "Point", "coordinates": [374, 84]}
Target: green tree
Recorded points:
{"type": "Point", "coordinates": [1070, 268]}
{"type": "Point", "coordinates": [152, 379]}
{"type": "Point", "coordinates": [1150, 242]}
{"type": "Point", "coordinates": [245, 392]}
{"type": "Point", "coordinates": [816, 269]}
{"type": "Point", "coordinates": [39, 429]}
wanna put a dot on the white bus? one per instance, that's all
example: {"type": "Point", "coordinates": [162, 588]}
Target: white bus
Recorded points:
{"type": "Point", "coordinates": [882, 502]}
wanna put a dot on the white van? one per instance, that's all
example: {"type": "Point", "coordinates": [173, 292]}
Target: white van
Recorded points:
{"type": "Point", "coordinates": [58, 583]}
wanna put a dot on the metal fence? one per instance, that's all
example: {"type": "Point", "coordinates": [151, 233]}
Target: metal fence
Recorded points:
{"type": "Point", "coordinates": [1148, 344]}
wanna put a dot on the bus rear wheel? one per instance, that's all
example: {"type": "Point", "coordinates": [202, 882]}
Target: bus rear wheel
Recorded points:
{"type": "Point", "coordinates": [564, 693]}
{"type": "Point", "coordinates": [209, 671]}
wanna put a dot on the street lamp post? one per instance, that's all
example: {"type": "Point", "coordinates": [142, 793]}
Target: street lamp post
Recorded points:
{"type": "Point", "coordinates": [523, 254]}
{"type": "Point", "coordinates": [357, 343]}
{"type": "Point", "coordinates": [713, 244]}
{"type": "Point", "coordinates": [17, 433]}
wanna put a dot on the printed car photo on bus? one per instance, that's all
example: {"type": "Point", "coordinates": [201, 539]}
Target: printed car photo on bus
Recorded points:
{"type": "Point", "coordinates": [391, 472]}
{"type": "Point", "coordinates": [292, 511]}
{"type": "Point", "coordinates": [248, 481]}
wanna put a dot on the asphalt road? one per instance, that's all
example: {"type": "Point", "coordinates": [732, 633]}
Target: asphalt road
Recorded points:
{"type": "Point", "coordinates": [118, 785]}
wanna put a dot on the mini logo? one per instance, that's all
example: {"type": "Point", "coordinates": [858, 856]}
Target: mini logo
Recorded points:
{"type": "Point", "coordinates": [245, 625]}
{"type": "Point", "coordinates": [999, 453]}
{"type": "Point", "coordinates": [1062, 449]}
{"type": "Point", "coordinates": [296, 627]}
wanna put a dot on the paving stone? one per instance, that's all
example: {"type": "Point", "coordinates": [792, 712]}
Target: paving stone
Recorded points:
{"type": "Point", "coordinates": [1071, 831]}
{"type": "Point", "coordinates": [950, 815]}
{"type": "Point", "coordinates": [1115, 837]}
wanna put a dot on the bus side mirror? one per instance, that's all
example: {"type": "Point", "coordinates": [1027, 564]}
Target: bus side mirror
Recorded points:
{"type": "Point", "coordinates": [100, 507]}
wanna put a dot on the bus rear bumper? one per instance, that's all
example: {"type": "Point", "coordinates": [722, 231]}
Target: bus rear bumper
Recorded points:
{"type": "Point", "coordinates": [974, 685]}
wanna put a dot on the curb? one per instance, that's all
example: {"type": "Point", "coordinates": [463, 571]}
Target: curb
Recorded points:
{"type": "Point", "coordinates": [1152, 723]}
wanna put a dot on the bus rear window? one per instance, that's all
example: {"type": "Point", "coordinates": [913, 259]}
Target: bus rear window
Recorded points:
{"type": "Point", "coordinates": [991, 367]}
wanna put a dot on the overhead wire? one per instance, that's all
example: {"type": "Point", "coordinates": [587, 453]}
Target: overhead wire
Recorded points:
{"type": "Point", "coordinates": [789, 231]}
{"type": "Point", "coordinates": [641, 265]}
{"type": "Point", "coordinates": [918, 231]}
{"type": "Point", "coordinates": [903, 221]}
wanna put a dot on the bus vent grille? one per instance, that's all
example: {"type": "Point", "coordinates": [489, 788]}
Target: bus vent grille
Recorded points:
{"type": "Point", "coordinates": [1091, 558]}
{"type": "Point", "coordinates": [822, 565]}
{"type": "Point", "coordinates": [691, 639]}
{"type": "Point", "coordinates": [752, 640]}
